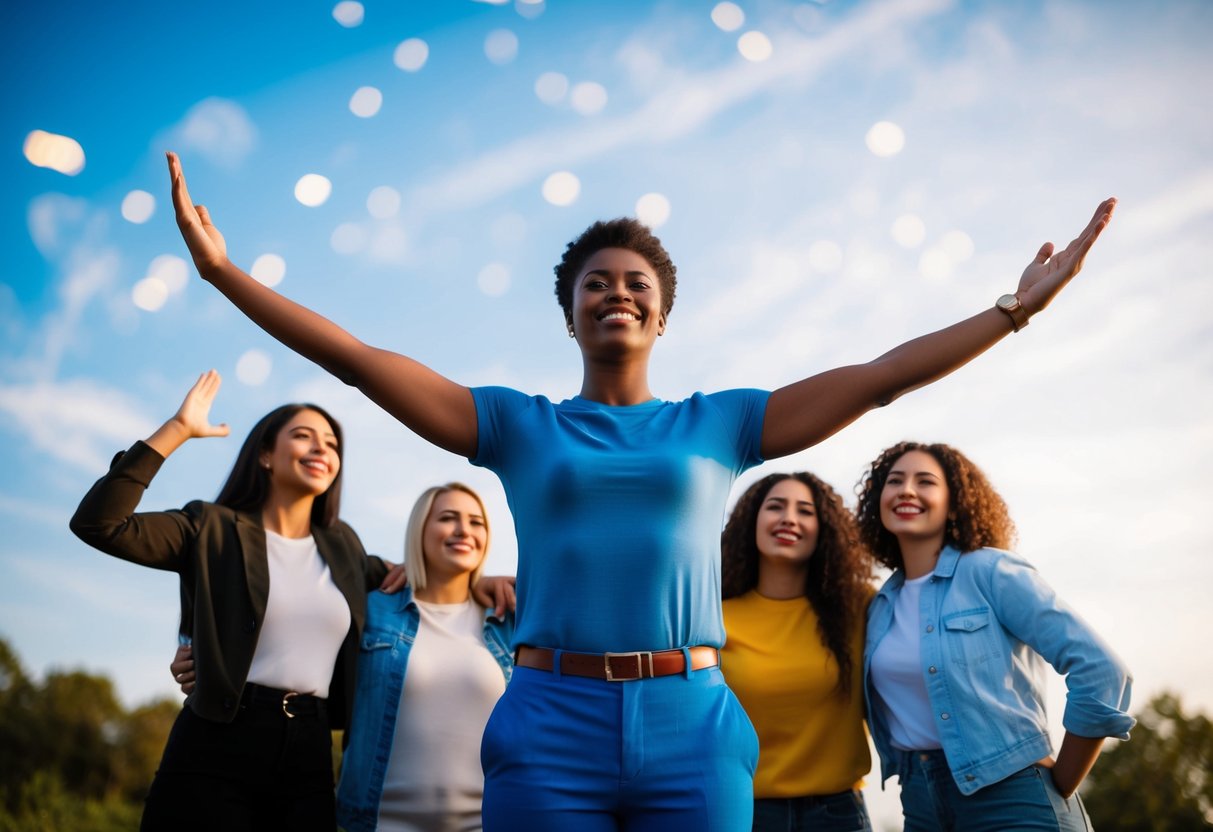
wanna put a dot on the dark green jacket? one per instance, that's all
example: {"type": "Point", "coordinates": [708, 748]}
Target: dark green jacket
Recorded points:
{"type": "Point", "coordinates": [220, 557]}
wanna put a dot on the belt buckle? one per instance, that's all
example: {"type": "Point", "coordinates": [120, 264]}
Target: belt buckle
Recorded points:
{"type": "Point", "coordinates": [286, 700]}
{"type": "Point", "coordinates": [640, 659]}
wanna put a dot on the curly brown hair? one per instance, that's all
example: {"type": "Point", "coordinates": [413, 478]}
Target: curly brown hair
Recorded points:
{"type": "Point", "coordinates": [623, 232]}
{"type": "Point", "coordinates": [839, 580]}
{"type": "Point", "coordinates": [977, 514]}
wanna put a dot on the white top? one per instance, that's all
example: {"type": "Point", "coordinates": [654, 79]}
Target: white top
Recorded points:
{"type": "Point", "coordinates": [433, 779]}
{"type": "Point", "coordinates": [306, 619]}
{"type": "Point", "coordinates": [897, 675]}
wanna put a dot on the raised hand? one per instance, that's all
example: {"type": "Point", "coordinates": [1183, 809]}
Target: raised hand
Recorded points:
{"type": "Point", "coordinates": [1048, 273]}
{"type": "Point", "coordinates": [205, 243]}
{"type": "Point", "coordinates": [192, 419]}
{"type": "Point", "coordinates": [195, 411]}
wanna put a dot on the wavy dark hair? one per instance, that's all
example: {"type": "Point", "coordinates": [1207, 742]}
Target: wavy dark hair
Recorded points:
{"type": "Point", "coordinates": [623, 232]}
{"type": "Point", "coordinates": [248, 484]}
{"type": "Point", "coordinates": [839, 580]}
{"type": "Point", "coordinates": [977, 514]}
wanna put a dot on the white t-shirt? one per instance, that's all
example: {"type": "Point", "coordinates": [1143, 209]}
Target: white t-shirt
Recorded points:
{"type": "Point", "coordinates": [433, 780]}
{"type": "Point", "coordinates": [897, 675]}
{"type": "Point", "coordinates": [306, 619]}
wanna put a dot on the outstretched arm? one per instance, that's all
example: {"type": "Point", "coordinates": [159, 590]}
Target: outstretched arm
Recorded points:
{"type": "Point", "coordinates": [806, 412]}
{"type": "Point", "coordinates": [435, 407]}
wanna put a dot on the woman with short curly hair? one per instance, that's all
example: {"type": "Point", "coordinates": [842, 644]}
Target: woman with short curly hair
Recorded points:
{"type": "Point", "coordinates": [796, 582]}
{"type": "Point", "coordinates": [954, 661]}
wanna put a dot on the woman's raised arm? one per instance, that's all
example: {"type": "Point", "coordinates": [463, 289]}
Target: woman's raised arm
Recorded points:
{"type": "Point", "coordinates": [436, 408]}
{"type": "Point", "coordinates": [808, 411]}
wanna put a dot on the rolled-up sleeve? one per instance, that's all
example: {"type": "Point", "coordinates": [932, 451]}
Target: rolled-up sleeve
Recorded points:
{"type": "Point", "coordinates": [1098, 683]}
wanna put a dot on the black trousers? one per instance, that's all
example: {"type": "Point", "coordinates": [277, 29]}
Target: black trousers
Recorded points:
{"type": "Point", "coordinates": [262, 771]}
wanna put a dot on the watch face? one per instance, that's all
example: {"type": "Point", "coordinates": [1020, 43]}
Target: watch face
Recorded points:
{"type": "Point", "coordinates": [1007, 302]}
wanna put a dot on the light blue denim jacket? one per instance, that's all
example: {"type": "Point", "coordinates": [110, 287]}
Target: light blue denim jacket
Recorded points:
{"type": "Point", "coordinates": [989, 622]}
{"type": "Point", "coordinates": [383, 657]}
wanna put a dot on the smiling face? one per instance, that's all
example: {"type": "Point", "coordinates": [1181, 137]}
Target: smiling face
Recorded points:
{"type": "Point", "coordinates": [454, 539]}
{"type": "Point", "coordinates": [915, 499]}
{"type": "Point", "coordinates": [617, 302]}
{"type": "Point", "coordinates": [786, 528]}
{"type": "Point", "coordinates": [304, 460]}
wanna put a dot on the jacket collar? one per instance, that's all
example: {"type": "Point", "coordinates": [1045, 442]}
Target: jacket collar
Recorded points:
{"type": "Point", "coordinates": [945, 567]}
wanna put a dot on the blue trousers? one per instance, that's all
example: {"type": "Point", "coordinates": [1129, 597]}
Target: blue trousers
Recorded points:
{"type": "Point", "coordinates": [1026, 800]}
{"type": "Point", "coordinates": [652, 755]}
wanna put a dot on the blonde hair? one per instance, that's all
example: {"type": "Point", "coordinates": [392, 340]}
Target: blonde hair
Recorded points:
{"type": "Point", "coordinates": [414, 534]}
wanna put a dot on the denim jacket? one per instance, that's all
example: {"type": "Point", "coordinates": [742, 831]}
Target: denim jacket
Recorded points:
{"type": "Point", "coordinates": [387, 638]}
{"type": "Point", "coordinates": [989, 622]}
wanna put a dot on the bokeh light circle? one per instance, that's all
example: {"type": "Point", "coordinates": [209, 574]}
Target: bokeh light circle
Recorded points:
{"type": "Point", "coordinates": [349, 13]}
{"type": "Point", "coordinates": [268, 269]}
{"type": "Point", "coordinates": [561, 188]}
{"type": "Point", "coordinates": [411, 54]}
{"type": "Point", "coordinates": [138, 207]}
{"type": "Point", "coordinates": [909, 230]}
{"type": "Point", "coordinates": [253, 368]}
{"type": "Point", "coordinates": [366, 101]}
{"type": "Point", "coordinates": [494, 279]}
{"type": "Point", "coordinates": [653, 209]}
{"type": "Point", "coordinates": [728, 17]}
{"type": "Point", "coordinates": [383, 203]}
{"type": "Point", "coordinates": [170, 270]}
{"type": "Point", "coordinates": [588, 98]}
{"type": "Point", "coordinates": [755, 47]}
{"type": "Point", "coordinates": [313, 190]}
{"type": "Point", "coordinates": [501, 46]}
{"type": "Point", "coordinates": [885, 138]}
{"type": "Point", "coordinates": [149, 294]}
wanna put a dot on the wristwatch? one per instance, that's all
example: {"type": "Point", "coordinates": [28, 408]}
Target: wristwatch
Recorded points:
{"type": "Point", "coordinates": [1014, 309]}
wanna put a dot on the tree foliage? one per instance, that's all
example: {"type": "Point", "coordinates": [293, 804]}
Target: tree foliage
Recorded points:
{"type": "Point", "coordinates": [1161, 779]}
{"type": "Point", "coordinates": [71, 757]}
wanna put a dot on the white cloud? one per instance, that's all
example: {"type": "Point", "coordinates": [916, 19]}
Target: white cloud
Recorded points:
{"type": "Point", "coordinates": [78, 421]}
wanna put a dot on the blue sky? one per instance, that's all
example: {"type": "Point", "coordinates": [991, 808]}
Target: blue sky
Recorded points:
{"type": "Point", "coordinates": [799, 248]}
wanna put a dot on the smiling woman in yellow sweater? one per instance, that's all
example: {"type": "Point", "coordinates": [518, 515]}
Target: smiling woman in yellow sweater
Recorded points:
{"type": "Point", "coordinates": [796, 582]}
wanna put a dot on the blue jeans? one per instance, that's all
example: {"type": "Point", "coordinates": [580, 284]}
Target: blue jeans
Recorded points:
{"type": "Point", "coordinates": [652, 755]}
{"type": "Point", "coordinates": [842, 812]}
{"type": "Point", "coordinates": [1027, 799]}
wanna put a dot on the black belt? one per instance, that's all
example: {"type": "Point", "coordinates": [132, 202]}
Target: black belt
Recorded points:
{"type": "Point", "coordinates": [291, 702]}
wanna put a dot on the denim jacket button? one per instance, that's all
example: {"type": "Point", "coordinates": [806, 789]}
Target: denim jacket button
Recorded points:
{"type": "Point", "coordinates": [945, 715]}
{"type": "Point", "coordinates": [970, 778]}
{"type": "Point", "coordinates": [932, 670]}
{"type": "Point", "coordinates": [930, 628]}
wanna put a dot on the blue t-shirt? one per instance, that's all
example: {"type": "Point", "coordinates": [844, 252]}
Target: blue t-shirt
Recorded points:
{"type": "Point", "coordinates": [618, 512]}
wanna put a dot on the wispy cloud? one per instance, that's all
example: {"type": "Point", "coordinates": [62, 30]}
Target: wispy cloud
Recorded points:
{"type": "Point", "coordinates": [217, 129]}
{"type": "Point", "coordinates": [74, 421]}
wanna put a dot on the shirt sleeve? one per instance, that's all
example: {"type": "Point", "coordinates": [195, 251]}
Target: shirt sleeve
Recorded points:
{"type": "Point", "coordinates": [496, 409]}
{"type": "Point", "coordinates": [106, 518]}
{"type": "Point", "coordinates": [742, 411]}
{"type": "Point", "coordinates": [1098, 683]}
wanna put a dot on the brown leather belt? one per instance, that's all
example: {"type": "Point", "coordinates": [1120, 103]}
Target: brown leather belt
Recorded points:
{"type": "Point", "coordinates": [618, 667]}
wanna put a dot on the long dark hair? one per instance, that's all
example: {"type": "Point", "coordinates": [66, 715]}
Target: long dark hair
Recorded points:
{"type": "Point", "coordinates": [838, 582]}
{"type": "Point", "coordinates": [248, 484]}
{"type": "Point", "coordinates": [977, 514]}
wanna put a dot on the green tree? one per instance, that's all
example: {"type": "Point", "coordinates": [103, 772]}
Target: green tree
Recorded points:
{"type": "Point", "coordinates": [71, 757]}
{"type": "Point", "coordinates": [1162, 779]}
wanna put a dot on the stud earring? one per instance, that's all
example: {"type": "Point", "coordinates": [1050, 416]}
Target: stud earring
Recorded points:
{"type": "Point", "coordinates": [572, 334]}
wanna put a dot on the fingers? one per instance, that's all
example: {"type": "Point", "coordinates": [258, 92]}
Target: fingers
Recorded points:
{"type": "Point", "coordinates": [1046, 251]}
{"type": "Point", "coordinates": [203, 214]}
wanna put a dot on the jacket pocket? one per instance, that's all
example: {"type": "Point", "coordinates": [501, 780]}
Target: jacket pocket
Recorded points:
{"type": "Point", "coordinates": [971, 637]}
